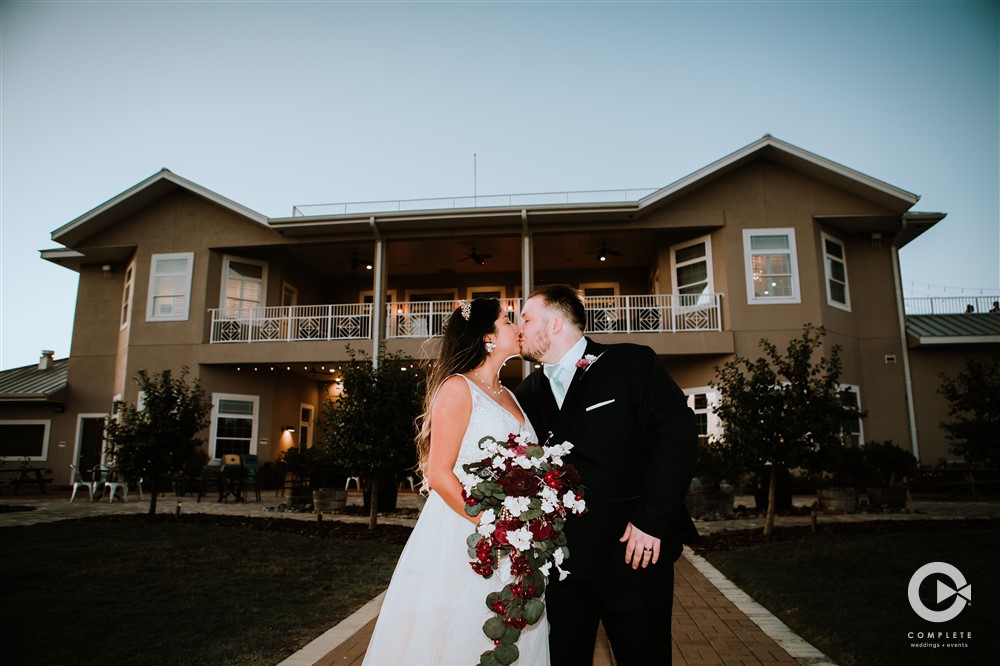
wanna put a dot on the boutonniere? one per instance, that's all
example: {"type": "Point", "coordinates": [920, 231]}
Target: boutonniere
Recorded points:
{"type": "Point", "coordinates": [587, 361]}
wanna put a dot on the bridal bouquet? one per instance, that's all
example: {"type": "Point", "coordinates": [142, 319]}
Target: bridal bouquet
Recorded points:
{"type": "Point", "coordinates": [522, 493]}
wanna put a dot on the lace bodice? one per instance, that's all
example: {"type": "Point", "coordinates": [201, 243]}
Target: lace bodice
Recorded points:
{"type": "Point", "coordinates": [489, 418]}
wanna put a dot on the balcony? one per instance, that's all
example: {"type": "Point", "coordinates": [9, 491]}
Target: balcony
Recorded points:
{"type": "Point", "coordinates": [950, 305]}
{"type": "Point", "coordinates": [424, 319]}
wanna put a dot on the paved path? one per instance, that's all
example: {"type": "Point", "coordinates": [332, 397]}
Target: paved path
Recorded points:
{"type": "Point", "coordinates": [714, 622]}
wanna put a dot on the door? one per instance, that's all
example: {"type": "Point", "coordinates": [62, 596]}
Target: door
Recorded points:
{"type": "Point", "coordinates": [91, 431]}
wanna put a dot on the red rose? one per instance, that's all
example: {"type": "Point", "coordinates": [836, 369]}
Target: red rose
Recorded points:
{"type": "Point", "coordinates": [540, 530]}
{"type": "Point", "coordinates": [552, 480]}
{"type": "Point", "coordinates": [571, 475]}
{"type": "Point", "coordinates": [520, 483]}
{"type": "Point", "coordinates": [501, 529]}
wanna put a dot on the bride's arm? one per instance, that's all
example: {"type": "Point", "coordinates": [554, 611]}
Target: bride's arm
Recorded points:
{"type": "Point", "coordinates": [450, 415]}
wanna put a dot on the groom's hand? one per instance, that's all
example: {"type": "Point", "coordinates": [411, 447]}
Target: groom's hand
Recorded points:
{"type": "Point", "coordinates": [641, 549]}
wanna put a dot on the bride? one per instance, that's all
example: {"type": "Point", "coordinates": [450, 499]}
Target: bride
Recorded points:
{"type": "Point", "coordinates": [435, 607]}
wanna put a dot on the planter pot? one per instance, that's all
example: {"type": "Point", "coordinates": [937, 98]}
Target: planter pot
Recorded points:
{"type": "Point", "coordinates": [701, 504]}
{"type": "Point", "coordinates": [838, 500]}
{"type": "Point", "coordinates": [328, 500]}
{"type": "Point", "coordinates": [893, 497]}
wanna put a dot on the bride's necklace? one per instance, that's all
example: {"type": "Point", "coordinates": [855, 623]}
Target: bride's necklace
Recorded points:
{"type": "Point", "coordinates": [488, 387]}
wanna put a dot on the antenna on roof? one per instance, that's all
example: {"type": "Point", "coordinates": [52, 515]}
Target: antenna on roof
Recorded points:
{"type": "Point", "coordinates": [474, 177]}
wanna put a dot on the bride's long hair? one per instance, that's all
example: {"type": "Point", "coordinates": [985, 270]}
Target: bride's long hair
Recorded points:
{"type": "Point", "coordinates": [462, 349]}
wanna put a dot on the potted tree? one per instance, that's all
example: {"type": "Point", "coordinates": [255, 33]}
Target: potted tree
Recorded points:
{"type": "Point", "coordinates": [326, 479]}
{"type": "Point", "coordinates": [888, 465]}
{"type": "Point", "coordinates": [711, 492]}
{"type": "Point", "coordinates": [294, 461]}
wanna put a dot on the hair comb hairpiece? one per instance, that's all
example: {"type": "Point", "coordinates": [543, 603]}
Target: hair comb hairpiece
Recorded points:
{"type": "Point", "coordinates": [466, 309]}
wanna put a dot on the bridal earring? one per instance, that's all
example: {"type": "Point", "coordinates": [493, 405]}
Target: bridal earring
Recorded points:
{"type": "Point", "coordinates": [490, 346]}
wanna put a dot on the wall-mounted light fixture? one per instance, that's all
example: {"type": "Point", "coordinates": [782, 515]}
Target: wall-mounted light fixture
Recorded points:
{"type": "Point", "coordinates": [287, 429]}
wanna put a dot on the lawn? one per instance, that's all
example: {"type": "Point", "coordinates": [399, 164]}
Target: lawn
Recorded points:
{"type": "Point", "coordinates": [844, 589]}
{"type": "Point", "coordinates": [186, 590]}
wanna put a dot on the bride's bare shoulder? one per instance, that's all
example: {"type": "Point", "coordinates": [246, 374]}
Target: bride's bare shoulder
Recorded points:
{"type": "Point", "coordinates": [453, 391]}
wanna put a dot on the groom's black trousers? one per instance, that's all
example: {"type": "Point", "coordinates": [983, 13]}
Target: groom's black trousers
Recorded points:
{"type": "Point", "coordinates": [635, 609]}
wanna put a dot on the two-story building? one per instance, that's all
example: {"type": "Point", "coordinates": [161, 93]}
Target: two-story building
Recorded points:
{"type": "Point", "coordinates": [262, 310]}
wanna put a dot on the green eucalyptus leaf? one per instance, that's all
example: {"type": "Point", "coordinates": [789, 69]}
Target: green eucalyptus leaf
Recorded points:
{"type": "Point", "coordinates": [511, 635]}
{"type": "Point", "coordinates": [472, 539]}
{"type": "Point", "coordinates": [494, 628]}
{"type": "Point", "coordinates": [491, 599]}
{"type": "Point", "coordinates": [506, 654]}
{"type": "Point", "coordinates": [473, 509]}
{"type": "Point", "coordinates": [488, 659]}
{"type": "Point", "coordinates": [533, 609]}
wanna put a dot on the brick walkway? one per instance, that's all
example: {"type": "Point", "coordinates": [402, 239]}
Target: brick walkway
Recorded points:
{"type": "Point", "coordinates": [707, 628]}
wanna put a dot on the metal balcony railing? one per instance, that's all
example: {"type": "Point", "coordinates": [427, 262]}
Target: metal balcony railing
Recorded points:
{"type": "Point", "coordinates": [951, 305]}
{"type": "Point", "coordinates": [484, 201]}
{"type": "Point", "coordinates": [292, 323]}
{"type": "Point", "coordinates": [425, 319]}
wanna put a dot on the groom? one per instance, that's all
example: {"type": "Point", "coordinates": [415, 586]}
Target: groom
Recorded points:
{"type": "Point", "coordinates": [635, 442]}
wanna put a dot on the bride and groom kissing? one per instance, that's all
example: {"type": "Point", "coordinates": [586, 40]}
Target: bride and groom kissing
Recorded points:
{"type": "Point", "coordinates": [634, 442]}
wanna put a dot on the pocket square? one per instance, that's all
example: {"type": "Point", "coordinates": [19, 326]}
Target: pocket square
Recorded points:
{"type": "Point", "coordinates": [600, 404]}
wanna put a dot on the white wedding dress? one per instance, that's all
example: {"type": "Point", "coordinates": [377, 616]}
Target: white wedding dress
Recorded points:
{"type": "Point", "coordinates": [435, 607]}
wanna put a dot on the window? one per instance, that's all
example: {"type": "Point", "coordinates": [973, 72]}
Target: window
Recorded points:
{"type": "Point", "coordinates": [127, 295]}
{"type": "Point", "coordinates": [243, 285]}
{"type": "Point", "coordinates": [836, 273]}
{"type": "Point", "coordinates": [702, 401]}
{"type": "Point", "coordinates": [691, 264]}
{"type": "Point", "coordinates": [169, 287]}
{"type": "Point", "coordinates": [234, 424]}
{"type": "Point", "coordinates": [850, 395]}
{"type": "Point", "coordinates": [20, 440]}
{"type": "Point", "coordinates": [771, 266]}
{"type": "Point", "coordinates": [305, 425]}
{"type": "Point", "coordinates": [498, 293]}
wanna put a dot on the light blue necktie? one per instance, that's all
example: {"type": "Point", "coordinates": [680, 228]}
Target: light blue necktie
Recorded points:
{"type": "Point", "coordinates": [556, 377]}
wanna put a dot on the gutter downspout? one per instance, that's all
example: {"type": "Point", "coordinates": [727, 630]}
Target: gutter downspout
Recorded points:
{"type": "Point", "coordinates": [527, 274]}
{"type": "Point", "coordinates": [378, 294]}
{"type": "Point", "coordinates": [901, 318]}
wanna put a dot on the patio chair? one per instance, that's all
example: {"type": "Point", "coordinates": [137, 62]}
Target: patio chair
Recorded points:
{"type": "Point", "coordinates": [78, 481]}
{"type": "Point", "coordinates": [120, 483]}
{"type": "Point", "coordinates": [356, 480]}
{"type": "Point", "coordinates": [251, 477]}
{"type": "Point", "coordinates": [211, 476]}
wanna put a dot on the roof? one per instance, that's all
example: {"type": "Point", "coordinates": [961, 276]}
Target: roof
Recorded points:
{"type": "Point", "coordinates": [952, 329]}
{"type": "Point", "coordinates": [896, 202]}
{"type": "Point", "coordinates": [779, 151]}
{"type": "Point", "coordinates": [136, 197]}
{"type": "Point", "coordinates": [29, 384]}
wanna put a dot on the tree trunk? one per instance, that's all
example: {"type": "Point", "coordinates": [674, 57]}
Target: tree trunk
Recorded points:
{"type": "Point", "coordinates": [771, 497]}
{"type": "Point", "coordinates": [373, 516]}
{"type": "Point", "coordinates": [154, 489]}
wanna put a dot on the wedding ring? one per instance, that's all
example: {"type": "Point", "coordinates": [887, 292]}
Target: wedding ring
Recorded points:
{"type": "Point", "coordinates": [647, 550]}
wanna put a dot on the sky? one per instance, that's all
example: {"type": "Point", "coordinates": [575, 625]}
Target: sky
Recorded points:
{"type": "Point", "coordinates": [277, 104]}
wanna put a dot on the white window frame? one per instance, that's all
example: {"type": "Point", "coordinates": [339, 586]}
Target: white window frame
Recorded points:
{"type": "Point", "coordinates": [226, 259]}
{"type": "Point", "coordinates": [45, 438]}
{"type": "Point", "coordinates": [213, 425]}
{"type": "Point", "coordinates": [310, 423]}
{"type": "Point", "coordinates": [793, 260]}
{"type": "Point", "coordinates": [472, 290]}
{"type": "Point", "coordinates": [827, 259]}
{"type": "Point", "coordinates": [861, 422]}
{"type": "Point", "coordinates": [705, 298]}
{"type": "Point", "coordinates": [127, 296]}
{"type": "Point", "coordinates": [712, 398]}
{"type": "Point", "coordinates": [153, 275]}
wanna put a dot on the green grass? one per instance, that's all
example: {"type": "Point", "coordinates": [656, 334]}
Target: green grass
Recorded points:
{"type": "Point", "coordinates": [844, 589]}
{"type": "Point", "coordinates": [189, 590]}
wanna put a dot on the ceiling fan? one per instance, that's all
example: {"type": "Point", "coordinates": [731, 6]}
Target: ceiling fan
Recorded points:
{"type": "Point", "coordinates": [476, 257]}
{"type": "Point", "coordinates": [357, 263]}
{"type": "Point", "coordinates": [605, 252]}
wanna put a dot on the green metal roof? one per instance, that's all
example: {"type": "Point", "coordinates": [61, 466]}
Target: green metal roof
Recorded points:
{"type": "Point", "coordinates": [30, 384]}
{"type": "Point", "coordinates": [944, 329]}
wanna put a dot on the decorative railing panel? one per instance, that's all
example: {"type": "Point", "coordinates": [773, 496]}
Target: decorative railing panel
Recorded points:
{"type": "Point", "coordinates": [951, 305]}
{"type": "Point", "coordinates": [292, 323]}
{"type": "Point", "coordinates": [425, 319]}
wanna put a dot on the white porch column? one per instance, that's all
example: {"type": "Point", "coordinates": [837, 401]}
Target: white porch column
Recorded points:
{"type": "Point", "coordinates": [378, 293]}
{"type": "Point", "coordinates": [527, 273]}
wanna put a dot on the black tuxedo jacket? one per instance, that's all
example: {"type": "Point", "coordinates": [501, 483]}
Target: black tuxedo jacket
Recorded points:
{"type": "Point", "coordinates": [635, 443]}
